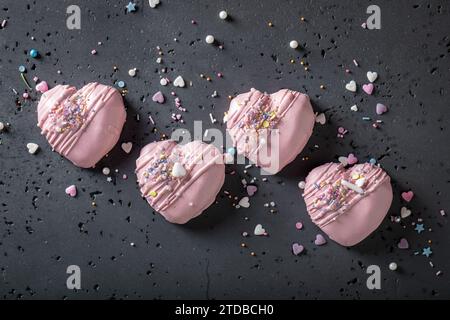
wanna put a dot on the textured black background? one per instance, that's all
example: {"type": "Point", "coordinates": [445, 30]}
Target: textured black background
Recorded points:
{"type": "Point", "coordinates": [42, 230]}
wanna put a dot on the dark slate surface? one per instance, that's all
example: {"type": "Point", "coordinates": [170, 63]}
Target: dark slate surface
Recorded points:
{"type": "Point", "coordinates": [42, 230]}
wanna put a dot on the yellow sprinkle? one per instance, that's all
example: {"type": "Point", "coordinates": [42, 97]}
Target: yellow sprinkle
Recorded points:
{"type": "Point", "coordinates": [266, 124]}
{"type": "Point", "coordinates": [355, 176]}
{"type": "Point", "coordinates": [153, 193]}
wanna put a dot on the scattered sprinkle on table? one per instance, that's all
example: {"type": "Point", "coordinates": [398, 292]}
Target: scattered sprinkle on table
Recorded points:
{"type": "Point", "coordinates": [223, 15]}
{"type": "Point", "coordinates": [393, 266]}
{"type": "Point", "coordinates": [419, 228]}
{"type": "Point", "coordinates": [209, 39]}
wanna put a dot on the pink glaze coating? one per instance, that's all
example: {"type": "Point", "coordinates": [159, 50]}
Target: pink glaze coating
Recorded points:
{"type": "Point", "coordinates": [348, 204]}
{"type": "Point", "coordinates": [82, 125]}
{"type": "Point", "coordinates": [180, 198]}
{"type": "Point", "coordinates": [258, 114]}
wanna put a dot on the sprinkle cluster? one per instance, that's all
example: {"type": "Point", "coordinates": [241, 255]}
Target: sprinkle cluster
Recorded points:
{"type": "Point", "coordinates": [161, 169]}
{"type": "Point", "coordinates": [262, 117]}
{"type": "Point", "coordinates": [70, 114]}
{"type": "Point", "coordinates": [335, 192]}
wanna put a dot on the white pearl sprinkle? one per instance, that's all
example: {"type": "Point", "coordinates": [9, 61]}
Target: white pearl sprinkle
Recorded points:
{"type": "Point", "coordinates": [106, 171]}
{"type": "Point", "coordinates": [132, 72]}
{"type": "Point", "coordinates": [223, 15]}
{"type": "Point", "coordinates": [163, 82]}
{"type": "Point", "coordinates": [302, 184]}
{"type": "Point", "coordinates": [392, 266]}
{"type": "Point", "coordinates": [293, 44]}
{"type": "Point", "coordinates": [209, 39]}
{"type": "Point", "coordinates": [2, 126]}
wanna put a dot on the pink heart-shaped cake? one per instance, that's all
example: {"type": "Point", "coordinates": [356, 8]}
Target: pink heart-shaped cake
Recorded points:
{"type": "Point", "coordinates": [180, 181]}
{"type": "Point", "coordinates": [270, 129]}
{"type": "Point", "coordinates": [82, 125]}
{"type": "Point", "coordinates": [348, 204]}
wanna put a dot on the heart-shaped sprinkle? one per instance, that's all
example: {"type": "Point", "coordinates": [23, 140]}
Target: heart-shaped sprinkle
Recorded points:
{"type": "Point", "coordinates": [380, 108]}
{"type": "Point", "coordinates": [153, 3]}
{"type": "Point", "coordinates": [299, 225]}
{"type": "Point", "coordinates": [354, 108]}
{"type": "Point", "coordinates": [351, 159]}
{"type": "Point", "coordinates": [42, 87]}
{"type": "Point", "coordinates": [179, 82]}
{"type": "Point", "coordinates": [351, 86]}
{"type": "Point", "coordinates": [320, 240]}
{"type": "Point", "coordinates": [251, 190]}
{"type": "Point", "coordinates": [372, 76]}
{"type": "Point", "coordinates": [368, 88]}
{"type": "Point", "coordinates": [297, 249]}
{"type": "Point", "coordinates": [158, 97]}
{"type": "Point", "coordinates": [244, 202]}
{"type": "Point", "coordinates": [320, 118]}
{"type": "Point", "coordinates": [71, 190]}
{"type": "Point", "coordinates": [360, 182]}
{"type": "Point", "coordinates": [403, 244]}
{"type": "Point", "coordinates": [405, 212]}
{"type": "Point", "coordinates": [343, 160]}
{"type": "Point", "coordinates": [259, 230]}
{"type": "Point", "coordinates": [407, 196]}
{"type": "Point", "coordinates": [178, 170]}
{"type": "Point", "coordinates": [32, 147]}
{"type": "Point", "coordinates": [126, 146]}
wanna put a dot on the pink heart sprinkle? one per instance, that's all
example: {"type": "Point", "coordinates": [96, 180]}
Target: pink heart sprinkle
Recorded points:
{"type": "Point", "coordinates": [299, 225]}
{"type": "Point", "coordinates": [380, 108]}
{"type": "Point", "coordinates": [42, 87]}
{"type": "Point", "coordinates": [368, 88]}
{"type": "Point", "coordinates": [71, 190]}
{"type": "Point", "coordinates": [351, 159]}
{"type": "Point", "coordinates": [320, 240]}
{"type": "Point", "coordinates": [158, 97]}
{"type": "Point", "coordinates": [297, 249]}
{"type": "Point", "coordinates": [403, 244]}
{"type": "Point", "coordinates": [407, 196]}
{"type": "Point", "coordinates": [251, 190]}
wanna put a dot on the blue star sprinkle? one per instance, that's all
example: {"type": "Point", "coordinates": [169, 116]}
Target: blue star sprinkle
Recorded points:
{"type": "Point", "coordinates": [131, 7]}
{"type": "Point", "coordinates": [419, 228]}
{"type": "Point", "coordinates": [427, 252]}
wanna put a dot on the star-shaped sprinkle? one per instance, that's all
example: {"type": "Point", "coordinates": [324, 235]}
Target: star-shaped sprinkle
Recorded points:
{"type": "Point", "coordinates": [131, 7]}
{"type": "Point", "coordinates": [427, 252]}
{"type": "Point", "coordinates": [419, 228]}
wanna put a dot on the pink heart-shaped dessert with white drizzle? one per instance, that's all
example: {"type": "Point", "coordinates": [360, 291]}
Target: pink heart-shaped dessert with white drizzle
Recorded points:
{"type": "Point", "coordinates": [348, 204]}
{"type": "Point", "coordinates": [180, 181]}
{"type": "Point", "coordinates": [82, 125]}
{"type": "Point", "coordinates": [270, 129]}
